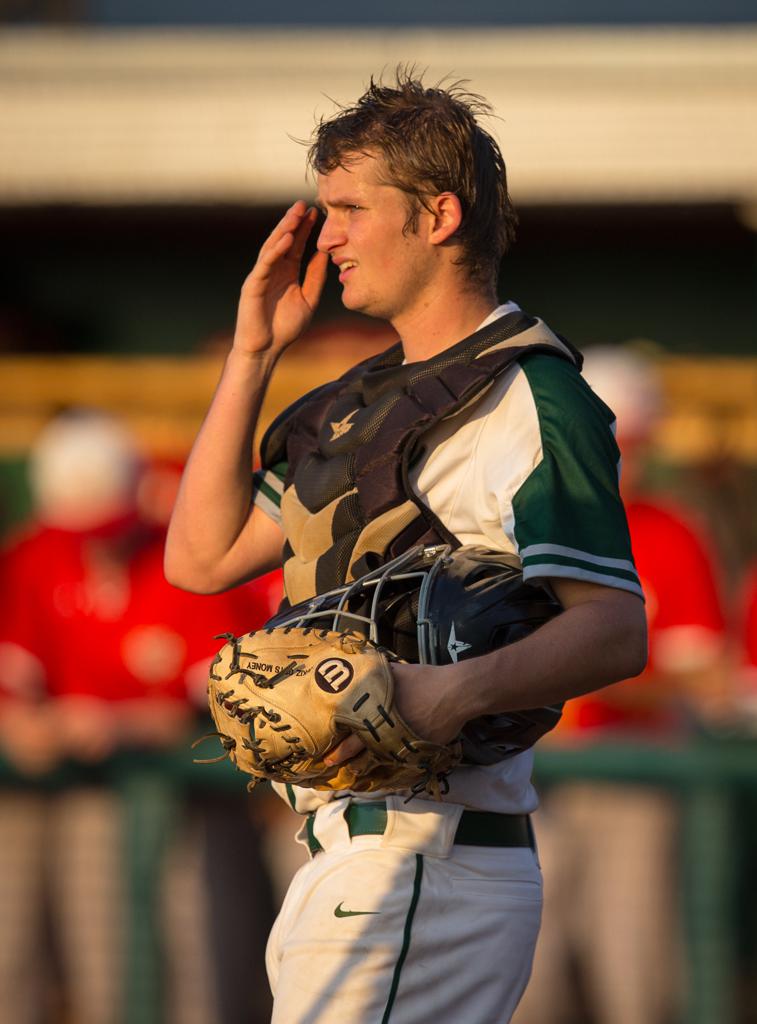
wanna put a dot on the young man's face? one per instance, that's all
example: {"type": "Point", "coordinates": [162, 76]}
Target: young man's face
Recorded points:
{"type": "Point", "coordinates": [384, 271]}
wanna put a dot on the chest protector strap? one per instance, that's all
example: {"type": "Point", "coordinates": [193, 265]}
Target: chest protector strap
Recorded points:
{"type": "Point", "coordinates": [347, 505]}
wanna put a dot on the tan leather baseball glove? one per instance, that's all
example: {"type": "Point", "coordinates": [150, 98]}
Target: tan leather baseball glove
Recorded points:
{"type": "Point", "coordinates": [283, 698]}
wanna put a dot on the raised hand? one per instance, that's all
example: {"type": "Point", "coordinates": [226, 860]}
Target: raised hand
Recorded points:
{"type": "Point", "coordinates": [213, 545]}
{"type": "Point", "coordinates": [274, 309]}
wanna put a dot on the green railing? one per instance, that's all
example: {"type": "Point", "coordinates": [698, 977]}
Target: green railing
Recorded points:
{"type": "Point", "coordinates": [708, 775]}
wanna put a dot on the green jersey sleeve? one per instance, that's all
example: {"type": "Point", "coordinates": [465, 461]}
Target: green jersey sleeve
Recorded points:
{"type": "Point", "coordinates": [569, 518]}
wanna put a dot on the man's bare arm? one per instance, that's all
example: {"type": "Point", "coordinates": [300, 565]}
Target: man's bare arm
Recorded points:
{"type": "Point", "coordinates": [217, 538]}
{"type": "Point", "coordinates": [600, 638]}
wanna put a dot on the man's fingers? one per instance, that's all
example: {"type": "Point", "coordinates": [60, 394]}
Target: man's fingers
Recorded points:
{"type": "Point", "coordinates": [302, 233]}
{"type": "Point", "coordinates": [285, 246]}
{"type": "Point", "coordinates": [288, 238]}
{"type": "Point", "coordinates": [291, 220]}
{"type": "Point", "coordinates": [315, 278]}
{"type": "Point", "coordinates": [345, 750]}
{"type": "Point", "coordinates": [270, 254]}
{"type": "Point", "coordinates": [288, 224]}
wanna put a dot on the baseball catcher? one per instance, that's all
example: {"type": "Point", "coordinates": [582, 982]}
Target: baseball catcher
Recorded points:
{"type": "Point", "coordinates": [456, 564]}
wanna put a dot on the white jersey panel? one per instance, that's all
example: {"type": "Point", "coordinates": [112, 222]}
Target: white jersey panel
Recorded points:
{"type": "Point", "coordinates": [475, 462]}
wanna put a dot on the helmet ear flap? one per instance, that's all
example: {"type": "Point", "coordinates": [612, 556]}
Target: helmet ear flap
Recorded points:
{"type": "Point", "coordinates": [479, 602]}
{"type": "Point", "coordinates": [433, 605]}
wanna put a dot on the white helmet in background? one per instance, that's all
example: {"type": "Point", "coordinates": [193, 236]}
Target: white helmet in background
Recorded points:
{"type": "Point", "coordinates": [629, 383]}
{"type": "Point", "coordinates": [83, 471]}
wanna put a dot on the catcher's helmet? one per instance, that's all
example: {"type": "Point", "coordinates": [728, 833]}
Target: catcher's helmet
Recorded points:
{"type": "Point", "coordinates": [434, 606]}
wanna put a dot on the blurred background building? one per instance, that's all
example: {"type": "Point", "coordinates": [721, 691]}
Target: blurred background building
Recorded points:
{"type": "Point", "coordinates": [148, 148]}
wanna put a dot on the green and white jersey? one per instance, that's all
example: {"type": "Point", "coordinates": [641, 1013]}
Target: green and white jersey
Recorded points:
{"type": "Point", "coordinates": [531, 468]}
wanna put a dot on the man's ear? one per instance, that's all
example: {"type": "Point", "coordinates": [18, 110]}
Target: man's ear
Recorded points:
{"type": "Point", "coordinates": [447, 214]}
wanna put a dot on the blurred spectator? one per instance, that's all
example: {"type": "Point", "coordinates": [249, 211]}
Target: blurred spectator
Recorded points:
{"type": "Point", "coordinates": [98, 653]}
{"type": "Point", "coordinates": [609, 850]}
{"type": "Point", "coordinates": [747, 695]}
{"type": "Point", "coordinates": [746, 725]}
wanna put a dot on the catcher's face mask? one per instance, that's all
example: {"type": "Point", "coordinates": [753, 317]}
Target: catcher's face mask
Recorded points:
{"type": "Point", "coordinates": [435, 606]}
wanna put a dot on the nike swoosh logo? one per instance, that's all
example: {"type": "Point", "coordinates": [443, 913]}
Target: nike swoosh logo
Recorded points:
{"type": "Point", "coordinates": [338, 912]}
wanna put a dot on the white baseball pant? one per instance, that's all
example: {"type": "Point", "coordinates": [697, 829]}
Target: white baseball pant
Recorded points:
{"type": "Point", "coordinates": [405, 926]}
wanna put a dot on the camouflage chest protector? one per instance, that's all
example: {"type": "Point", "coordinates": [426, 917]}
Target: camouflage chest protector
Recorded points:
{"type": "Point", "coordinates": [347, 505]}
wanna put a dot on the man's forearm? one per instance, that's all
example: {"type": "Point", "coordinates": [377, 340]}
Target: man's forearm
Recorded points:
{"type": "Point", "coordinates": [213, 505]}
{"type": "Point", "coordinates": [599, 639]}
{"type": "Point", "coordinates": [588, 646]}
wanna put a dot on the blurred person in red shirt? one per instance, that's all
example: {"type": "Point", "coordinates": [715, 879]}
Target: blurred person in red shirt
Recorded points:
{"type": "Point", "coordinates": [747, 677]}
{"type": "Point", "coordinates": [745, 725]}
{"type": "Point", "coordinates": [610, 849]}
{"type": "Point", "coordinates": [97, 653]}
